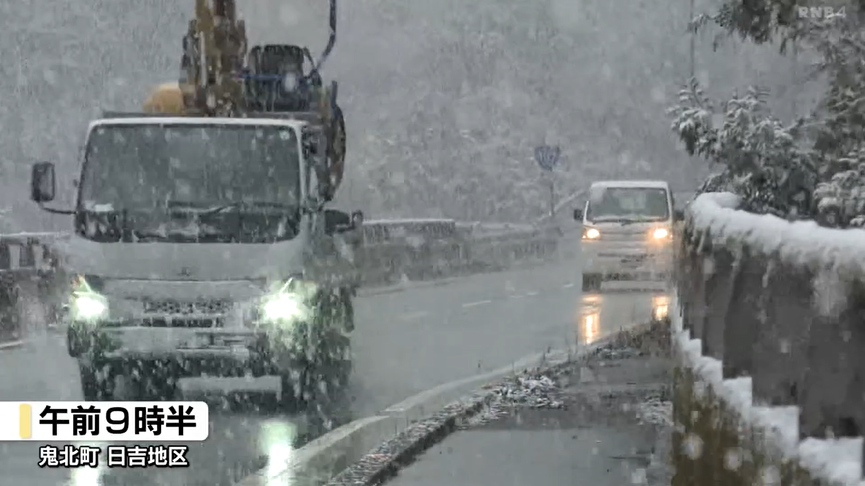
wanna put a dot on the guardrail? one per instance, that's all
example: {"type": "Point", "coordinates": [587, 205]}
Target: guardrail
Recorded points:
{"type": "Point", "coordinates": [27, 267]}
{"type": "Point", "coordinates": [771, 337]}
{"type": "Point", "coordinates": [394, 251]}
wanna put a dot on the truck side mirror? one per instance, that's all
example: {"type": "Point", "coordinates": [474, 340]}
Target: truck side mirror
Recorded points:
{"type": "Point", "coordinates": [336, 221]}
{"type": "Point", "coordinates": [578, 214]}
{"type": "Point", "coordinates": [357, 219]}
{"type": "Point", "coordinates": [43, 185]}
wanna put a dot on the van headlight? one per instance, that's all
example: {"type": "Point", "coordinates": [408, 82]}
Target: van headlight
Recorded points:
{"type": "Point", "coordinates": [88, 307]}
{"type": "Point", "coordinates": [660, 234]}
{"type": "Point", "coordinates": [591, 234]}
{"type": "Point", "coordinates": [660, 307]}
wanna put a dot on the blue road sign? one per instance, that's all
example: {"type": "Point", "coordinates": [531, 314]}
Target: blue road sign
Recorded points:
{"type": "Point", "coordinates": [547, 157]}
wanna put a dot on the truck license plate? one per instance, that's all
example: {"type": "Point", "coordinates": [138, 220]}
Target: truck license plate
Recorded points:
{"type": "Point", "coordinates": [198, 342]}
{"type": "Point", "coordinates": [634, 259]}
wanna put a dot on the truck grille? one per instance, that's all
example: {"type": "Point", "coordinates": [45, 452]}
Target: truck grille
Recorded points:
{"type": "Point", "coordinates": [196, 323]}
{"type": "Point", "coordinates": [185, 308]}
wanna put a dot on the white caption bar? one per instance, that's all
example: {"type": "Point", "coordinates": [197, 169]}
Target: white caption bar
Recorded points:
{"type": "Point", "coordinates": [104, 421]}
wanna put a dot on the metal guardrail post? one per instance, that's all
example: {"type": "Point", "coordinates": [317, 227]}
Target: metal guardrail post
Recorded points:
{"type": "Point", "coordinates": [781, 350]}
{"type": "Point", "coordinates": [719, 291]}
{"type": "Point", "coordinates": [742, 320]}
{"type": "Point", "coordinates": [696, 289]}
{"type": "Point", "coordinates": [832, 399]}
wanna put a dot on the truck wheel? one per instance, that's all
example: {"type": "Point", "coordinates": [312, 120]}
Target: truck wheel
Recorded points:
{"type": "Point", "coordinates": [592, 282]}
{"type": "Point", "coordinates": [319, 374]}
{"type": "Point", "coordinates": [96, 384]}
{"type": "Point", "coordinates": [322, 384]}
{"type": "Point", "coordinates": [321, 354]}
{"type": "Point", "coordinates": [75, 342]}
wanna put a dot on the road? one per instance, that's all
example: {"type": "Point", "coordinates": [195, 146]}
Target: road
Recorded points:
{"type": "Point", "coordinates": [406, 341]}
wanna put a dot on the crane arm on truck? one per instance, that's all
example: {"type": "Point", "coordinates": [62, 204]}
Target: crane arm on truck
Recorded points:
{"type": "Point", "coordinates": [220, 77]}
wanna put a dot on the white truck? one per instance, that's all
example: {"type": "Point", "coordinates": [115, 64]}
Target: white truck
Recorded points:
{"type": "Point", "coordinates": [200, 247]}
{"type": "Point", "coordinates": [627, 232]}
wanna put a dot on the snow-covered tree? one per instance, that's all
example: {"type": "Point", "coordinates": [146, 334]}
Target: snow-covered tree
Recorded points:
{"type": "Point", "coordinates": [761, 157]}
{"type": "Point", "coordinates": [809, 168]}
{"type": "Point", "coordinates": [840, 201]}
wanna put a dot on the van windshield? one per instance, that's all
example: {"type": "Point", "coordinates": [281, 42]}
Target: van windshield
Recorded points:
{"type": "Point", "coordinates": [624, 204]}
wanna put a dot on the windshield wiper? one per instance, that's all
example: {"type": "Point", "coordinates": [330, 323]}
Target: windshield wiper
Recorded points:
{"type": "Point", "coordinates": [240, 205]}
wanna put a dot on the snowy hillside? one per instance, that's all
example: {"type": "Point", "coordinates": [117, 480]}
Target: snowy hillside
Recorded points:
{"type": "Point", "coordinates": [444, 100]}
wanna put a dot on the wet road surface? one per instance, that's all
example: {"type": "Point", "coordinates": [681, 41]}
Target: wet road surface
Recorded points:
{"type": "Point", "coordinates": [406, 342]}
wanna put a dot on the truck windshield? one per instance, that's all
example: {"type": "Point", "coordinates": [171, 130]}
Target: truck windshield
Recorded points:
{"type": "Point", "coordinates": [143, 171]}
{"type": "Point", "coordinates": [628, 204]}
{"type": "Point", "coordinates": [140, 166]}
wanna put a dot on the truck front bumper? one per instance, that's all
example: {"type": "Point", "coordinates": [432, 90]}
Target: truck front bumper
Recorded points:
{"type": "Point", "coordinates": [212, 352]}
{"type": "Point", "coordinates": [627, 261]}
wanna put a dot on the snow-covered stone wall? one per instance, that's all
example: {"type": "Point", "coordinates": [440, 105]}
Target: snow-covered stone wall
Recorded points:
{"type": "Point", "coordinates": [768, 330]}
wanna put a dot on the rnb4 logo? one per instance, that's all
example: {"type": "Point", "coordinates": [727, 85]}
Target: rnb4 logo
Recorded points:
{"type": "Point", "coordinates": [822, 12]}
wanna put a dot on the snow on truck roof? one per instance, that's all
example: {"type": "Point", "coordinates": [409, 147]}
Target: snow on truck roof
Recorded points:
{"type": "Point", "coordinates": [186, 120]}
{"type": "Point", "coordinates": [635, 184]}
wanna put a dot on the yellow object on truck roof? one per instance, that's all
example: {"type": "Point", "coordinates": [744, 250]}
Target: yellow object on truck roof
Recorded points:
{"type": "Point", "coordinates": [166, 98]}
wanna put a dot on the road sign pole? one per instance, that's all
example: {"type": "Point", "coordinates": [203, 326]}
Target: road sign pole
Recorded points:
{"type": "Point", "coordinates": [547, 158]}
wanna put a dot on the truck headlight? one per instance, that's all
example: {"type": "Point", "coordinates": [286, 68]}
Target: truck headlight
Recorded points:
{"type": "Point", "coordinates": [591, 234]}
{"type": "Point", "coordinates": [660, 233]}
{"type": "Point", "coordinates": [88, 306]}
{"type": "Point", "coordinates": [287, 303]}
{"type": "Point", "coordinates": [284, 307]}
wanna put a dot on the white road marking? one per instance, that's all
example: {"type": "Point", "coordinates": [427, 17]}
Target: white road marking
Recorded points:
{"type": "Point", "coordinates": [474, 304]}
{"type": "Point", "coordinates": [531, 294]}
{"type": "Point", "coordinates": [411, 316]}
{"type": "Point", "coordinates": [12, 344]}
{"type": "Point", "coordinates": [567, 285]}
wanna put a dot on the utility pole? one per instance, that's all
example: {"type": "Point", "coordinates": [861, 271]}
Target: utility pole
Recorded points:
{"type": "Point", "coordinates": [795, 76]}
{"type": "Point", "coordinates": [693, 37]}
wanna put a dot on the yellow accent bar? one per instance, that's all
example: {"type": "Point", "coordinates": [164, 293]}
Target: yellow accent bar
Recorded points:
{"type": "Point", "coordinates": [25, 412]}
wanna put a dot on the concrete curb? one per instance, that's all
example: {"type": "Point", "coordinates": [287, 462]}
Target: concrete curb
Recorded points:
{"type": "Point", "coordinates": [389, 457]}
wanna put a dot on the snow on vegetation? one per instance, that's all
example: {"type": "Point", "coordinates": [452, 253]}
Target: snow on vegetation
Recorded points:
{"type": "Point", "coordinates": [836, 460]}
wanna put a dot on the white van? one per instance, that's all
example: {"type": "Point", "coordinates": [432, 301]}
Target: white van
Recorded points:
{"type": "Point", "coordinates": [627, 232]}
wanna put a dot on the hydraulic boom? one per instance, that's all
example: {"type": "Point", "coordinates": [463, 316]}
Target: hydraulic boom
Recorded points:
{"type": "Point", "coordinates": [221, 77]}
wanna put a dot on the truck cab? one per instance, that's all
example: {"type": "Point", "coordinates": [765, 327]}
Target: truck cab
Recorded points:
{"type": "Point", "coordinates": [627, 232]}
{"type": "Point", "coordinates": [199, 246]}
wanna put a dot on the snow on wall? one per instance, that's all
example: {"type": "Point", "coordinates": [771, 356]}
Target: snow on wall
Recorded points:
{"type": "Point", "coordinates": [834, 255]}
{"type": "Point", "coordinates": [839, 461]}
{"type": "Point", "coordinates": [798, 243]}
